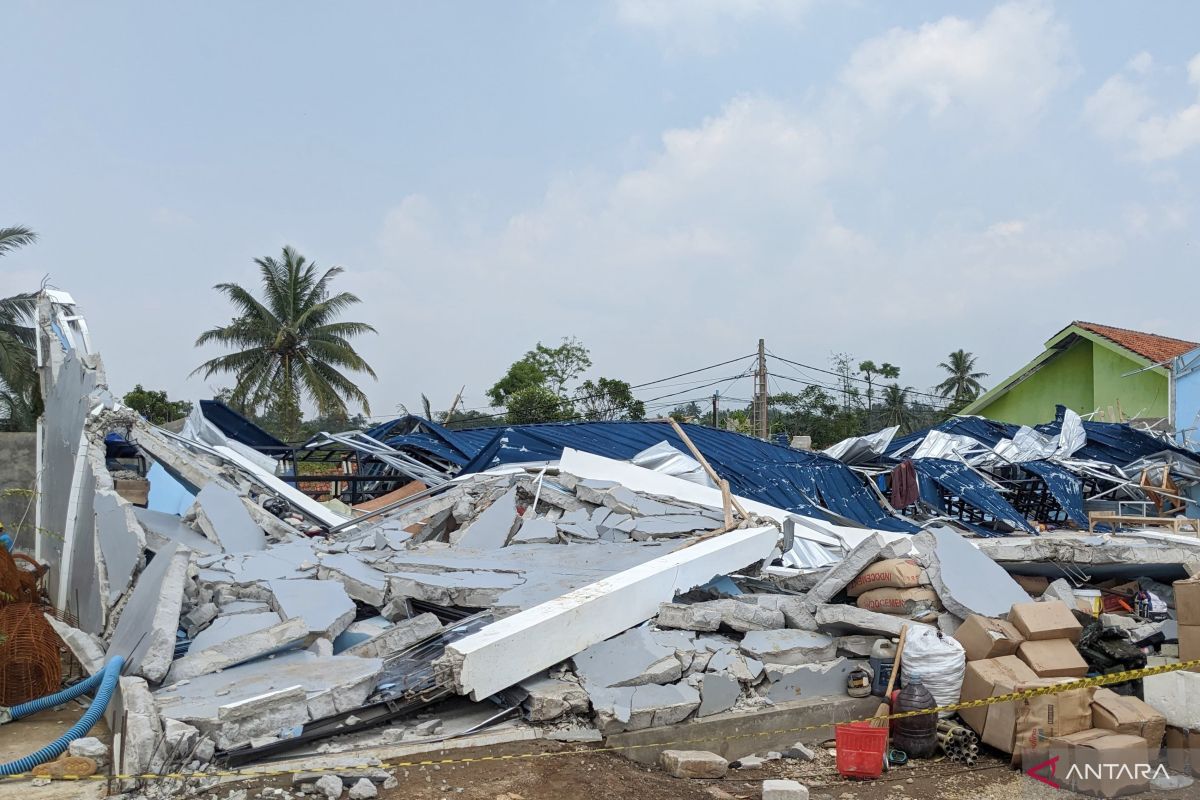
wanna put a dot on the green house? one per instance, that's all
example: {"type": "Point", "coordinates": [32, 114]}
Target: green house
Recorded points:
{"type": "Point", "coordinates": [1089, 368]}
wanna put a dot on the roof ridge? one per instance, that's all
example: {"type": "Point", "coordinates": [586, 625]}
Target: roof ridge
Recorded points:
{"type": "Point", "coordinates": [1084, 323]}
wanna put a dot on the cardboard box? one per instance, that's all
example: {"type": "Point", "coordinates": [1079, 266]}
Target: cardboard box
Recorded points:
{"type": "Point", "coordinates": [135, 490]}
{"type": "Point", "coordinates": [1189, 644]}
{"type": "Point", "coordinates": [1041, 621]}
{"type": "Point", "coordinates": [1187, 601]}
{"type": "Point", "coordinates": [984, 637]}
{"type": "Point", "coordinates": [1125, 714]}
{"type": "Point", "coordinates": [1099, 763]}
{"type": "Point", "coordinates": [1182, 749]}
{"type": "Point", "coordinates": [1020, 724]}
{"type": "Point", "coordinates": [1054, 658]}
{"type": "Point", "coordinates": [918, 602]}
{"type": "Point", "coordinates": [1034, 585]}
{"type": "Point", "coordinates": [892, 573]}
{"type": "Point", "coordinates": [979, 680]}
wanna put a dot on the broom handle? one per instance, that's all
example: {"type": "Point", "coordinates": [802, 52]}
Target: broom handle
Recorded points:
{"type": "Point", "coordinates": [896, 664]}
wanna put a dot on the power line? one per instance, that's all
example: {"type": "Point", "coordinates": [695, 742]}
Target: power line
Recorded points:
{"type": "Point", "coordinates": [850, 377]}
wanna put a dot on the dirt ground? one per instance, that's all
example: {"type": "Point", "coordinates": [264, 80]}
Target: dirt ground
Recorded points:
{"type": "Point", "coordinates": [557, 776]}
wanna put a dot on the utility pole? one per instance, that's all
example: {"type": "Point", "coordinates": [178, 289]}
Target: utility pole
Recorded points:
{"type": "Point", "coordinates": [716, 398]}
{"type": "Point", "coordinates": [762, 429]}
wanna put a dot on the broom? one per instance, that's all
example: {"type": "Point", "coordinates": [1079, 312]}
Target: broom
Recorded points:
{"type": "Point", "coordinates": [880, 720]}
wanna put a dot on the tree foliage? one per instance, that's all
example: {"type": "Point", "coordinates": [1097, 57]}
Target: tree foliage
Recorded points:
{"type": "Point", "coordinates": [608, 399]}
{"type": "Point", "coordinates": [155, 406]}
{"type": "Point", "coordinates": [20, 392]}
{"type": "Point", "coordinates": [290, 346]}
{"type": "Point", "coordinates": [538, 388]}
{"type": "Point", "coordinates": [963, 382]}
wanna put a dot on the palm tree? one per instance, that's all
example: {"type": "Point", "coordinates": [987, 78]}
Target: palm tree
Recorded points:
{"type": "Point", "coordinates": [290, 346]}
{"type": "Point", "coordinates": [20, 395]}
{"type": "Point", "coordinates": [963, 383]}
{"type": "Point", "coordinates": [894, 406]}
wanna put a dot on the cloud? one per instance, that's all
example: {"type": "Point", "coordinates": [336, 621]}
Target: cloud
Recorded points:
{"type": "Point", "coordinates": [704, 26]}
{"type": "Point", "coordinates": [1004, 68]}
{"type": "Point", "coordinates": [1123, 111]}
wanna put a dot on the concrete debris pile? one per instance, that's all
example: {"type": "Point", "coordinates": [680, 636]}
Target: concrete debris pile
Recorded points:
{"type": "Point", "coordinates": [599, 597]}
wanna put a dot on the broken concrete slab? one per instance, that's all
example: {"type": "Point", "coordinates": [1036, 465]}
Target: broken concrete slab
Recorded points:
{"type": "Point", "coordinates": [693, 764]}
{"type": "Point", "coordinates": [239, 649]}
{"type": "Point", "coordinates": [120, 539]}
{"type": "Point", "coordinates": [966, 580]}
{"type": "Point", "coordinates": [361, 581]}
{"type": "Point", "coordinates": [795, 608]}
{"type": "Point", "coordinates": [789, 647]}
{"type": "Point", "coordinates": [841, 574]}
{"type": "Point", "coordinates": [634, 658]}
{"type": "Point", "coordinates": [139, 752]}
{"type": "Point", "coordinates": [530, 641]}
{"type": "Point", "coordinates": [550, 698]}
{"type": "Point", "coordinates": [718, 692]}
{"type": "Point", "coordinates": [491, 529]}
{"type": "Point", "coordinates": [694, 617]}
{"type": "Point", "coordinates": [332, 684]}
{"type": "Point", "coordinates": [224, 628]}
{"type": "Point", "coordinates": [857, 644]}
{"type": "Point", "coordinates": [145, 633]}
{"type": "Point", "coordinates": [844, 619]}
{"type": "Point", "coordinates": [323, 605]}
{"type": "Point", "coordinates": [276, 713]}
{"type": "Point", "coordinates": [537, 530]}
{"type": "Point", "coordinates": [745, 617]}
{"type": "Point", "coordinates": [87, 649]}
{"type": "Point", "coordinates": [162, 528]}
{"type": "Point", "coordinates": [223, 517]}
{"type": "Point", "coordinates": [801, 682]}
{"type": "Point", "coordinates": [630, 708]}
{"type": "Point", "coordinates": [784, 789]}
{"type": "Point", "coordinates": [1060, 590]}
{"type": "Point", "coordinates": [397, 637]}
{"type": "Point", "coordinates": [744, 669]}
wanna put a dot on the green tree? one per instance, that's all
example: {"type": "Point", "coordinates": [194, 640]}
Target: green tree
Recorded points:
{"type": "Point", "coordinates": [290, 346]}
{"type": "Point", "coordinates": [523, 374]}
{"type": "Point", "coordinates": [20, 393]}
{"type": "Point", "coordinates": [608, 399]}
{"type": "Point", "coordinates": [536, 404]}
{"type": "Point", "coordinates": [871, 371]}
{"type": "Point", "coordinates": [155, 406]}
{"type": "Point", "coordinates": [690, 413]}
{"type": "Point", "coordinates": [962, 384]}
{"type": "Point", "coordinates": [894, 406]}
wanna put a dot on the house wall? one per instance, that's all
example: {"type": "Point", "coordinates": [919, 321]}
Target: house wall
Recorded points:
{"type": "Point", "coordinates": [1143, 394]}
{"type": "Point", "coordinates": [1187, 400]}
{"type": "Point", "coordinates": [17, 472]}
{"type": "Point", "coordinates": [1065, 379]}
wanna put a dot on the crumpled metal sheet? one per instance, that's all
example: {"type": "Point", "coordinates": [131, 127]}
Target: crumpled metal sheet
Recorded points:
{"type": "Point", "coordinates": [664, 458]}
{"type": "Point", "coordinates": [1064, 487]}
{"type": "Point", "coordinates": [958, 479]}
{"type": "Point", "coordinates": [858, 449]}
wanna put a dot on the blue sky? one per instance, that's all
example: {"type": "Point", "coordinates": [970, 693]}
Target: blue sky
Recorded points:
{"type": "Point", "coordinates": [668, 181]}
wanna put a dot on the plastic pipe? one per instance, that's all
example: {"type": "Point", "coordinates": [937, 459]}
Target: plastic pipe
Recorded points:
{"type": "Point", "coordinates": [107, 680]}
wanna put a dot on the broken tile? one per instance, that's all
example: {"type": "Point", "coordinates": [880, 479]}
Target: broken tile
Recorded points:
{"type": "Point", "coordinates": [323, 605]}
{"type": "Point", "coordinates": [789, 647]}
{"type": "Point", "coordinates": [222, 516]}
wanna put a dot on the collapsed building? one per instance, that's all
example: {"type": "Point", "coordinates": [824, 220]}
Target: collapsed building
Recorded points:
{"type": "Point", "coordinates": [578, 580]}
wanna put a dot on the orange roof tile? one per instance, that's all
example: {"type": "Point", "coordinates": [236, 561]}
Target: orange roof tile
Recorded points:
{"type": "Point", "coordinates": [1147, 345]}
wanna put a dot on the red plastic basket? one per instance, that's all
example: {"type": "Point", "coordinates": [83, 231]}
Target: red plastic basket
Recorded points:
{"type": "Point", "coordinates": [860, 749]}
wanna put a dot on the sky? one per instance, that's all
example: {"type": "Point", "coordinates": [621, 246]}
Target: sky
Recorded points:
{"type": "Point", "coordinates": [667, 180]}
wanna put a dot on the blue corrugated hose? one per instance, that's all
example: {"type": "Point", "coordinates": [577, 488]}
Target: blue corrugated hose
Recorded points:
{"type": "Point", "coordinates": [107, 681]}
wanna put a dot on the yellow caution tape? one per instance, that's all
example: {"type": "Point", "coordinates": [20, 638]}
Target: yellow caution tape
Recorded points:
{"type": "Point", "coordinates": [1058, 688]}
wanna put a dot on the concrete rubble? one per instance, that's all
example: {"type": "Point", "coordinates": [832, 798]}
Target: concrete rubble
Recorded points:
{"type": "Point", "coordinates": [594, 596]}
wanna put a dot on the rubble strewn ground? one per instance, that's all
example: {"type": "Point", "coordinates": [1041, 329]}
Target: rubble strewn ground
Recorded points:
{"type": "Point", "coordinates": [557, 603]}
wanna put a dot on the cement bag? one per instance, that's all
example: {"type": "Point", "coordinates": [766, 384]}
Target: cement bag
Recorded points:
{"type": "Point", "coordinates": [894, 573]}
{"type": "Point", "coordinates": [939, 660]}
{"type": "Point", "coordinates": [912, 603]}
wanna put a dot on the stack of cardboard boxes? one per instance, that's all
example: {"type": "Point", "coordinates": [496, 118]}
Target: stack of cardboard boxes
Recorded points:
{"type": "Point", "coordinates": [1187, 615]}
{"type": "Point", "coordinates": [1035, 648]}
